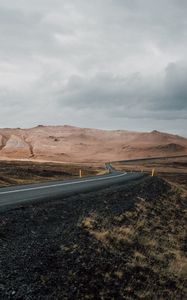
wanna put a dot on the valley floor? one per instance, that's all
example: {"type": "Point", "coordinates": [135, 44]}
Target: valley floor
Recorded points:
{"type": "Point", "coordinates": [25, 172]}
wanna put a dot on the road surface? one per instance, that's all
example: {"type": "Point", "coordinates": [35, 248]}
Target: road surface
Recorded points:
{"type": "Point", "coordinates": [14, 195]}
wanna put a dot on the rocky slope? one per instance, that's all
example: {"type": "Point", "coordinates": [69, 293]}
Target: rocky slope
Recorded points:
{"type": "Point", "coordinates": [68, 143]}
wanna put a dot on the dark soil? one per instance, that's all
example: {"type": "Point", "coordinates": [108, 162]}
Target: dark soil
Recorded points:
{"type": "Point", "coordinates": [20, 172]}
{"type": "Point", "coordinates": [124, 242]}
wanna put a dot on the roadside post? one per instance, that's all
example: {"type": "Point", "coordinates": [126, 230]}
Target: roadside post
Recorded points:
{"type": "Point", "coordinates": [153, 172]}
{"type": "Point", "coordinates": [80, 173]}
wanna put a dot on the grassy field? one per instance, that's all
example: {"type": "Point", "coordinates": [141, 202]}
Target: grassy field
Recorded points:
{"type": "Point", "coordinates": [20, 172]}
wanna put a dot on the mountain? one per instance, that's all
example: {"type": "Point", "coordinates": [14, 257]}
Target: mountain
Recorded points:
{"type": "Point", "coordinates": [74, 144]}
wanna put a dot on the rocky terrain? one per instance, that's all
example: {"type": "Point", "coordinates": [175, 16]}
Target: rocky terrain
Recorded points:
{"type": "Point", "coordinates": [73, 144]}
{"type": "Point", "coordinates": [124, 242]}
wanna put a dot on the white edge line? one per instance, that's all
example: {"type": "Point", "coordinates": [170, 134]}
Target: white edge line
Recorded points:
{"type": "Point", "coordinates": [60, 184]}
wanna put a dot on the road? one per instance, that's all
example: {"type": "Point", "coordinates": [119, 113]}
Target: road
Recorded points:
{"type": "Point", "coordinates": [14, 195]}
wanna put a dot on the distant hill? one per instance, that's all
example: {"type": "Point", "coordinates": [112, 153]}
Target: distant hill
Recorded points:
{"type": "Point", "coordinates": [73, 144]}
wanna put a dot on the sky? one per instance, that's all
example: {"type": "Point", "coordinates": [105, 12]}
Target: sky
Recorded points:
{"type": "Point", "coordinates": [110, 64]}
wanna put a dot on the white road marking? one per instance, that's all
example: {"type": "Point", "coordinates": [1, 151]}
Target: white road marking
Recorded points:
{"type": "Point", "coordinates": [60, 184]}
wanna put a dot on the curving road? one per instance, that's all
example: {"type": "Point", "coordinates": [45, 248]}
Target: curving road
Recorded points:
{"type": "Point", "coordinates": [14, 195]}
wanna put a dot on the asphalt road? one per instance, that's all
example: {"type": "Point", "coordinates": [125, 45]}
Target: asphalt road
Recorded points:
{"type": "Point", "coordinates": [14, 195]}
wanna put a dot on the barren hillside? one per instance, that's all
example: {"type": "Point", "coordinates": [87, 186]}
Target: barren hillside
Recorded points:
{"type": "Point", "coordinates": [73, 144]}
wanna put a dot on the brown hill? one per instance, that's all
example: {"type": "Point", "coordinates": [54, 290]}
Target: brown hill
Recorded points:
{"type": "Point", "coordinates": [73, 144]}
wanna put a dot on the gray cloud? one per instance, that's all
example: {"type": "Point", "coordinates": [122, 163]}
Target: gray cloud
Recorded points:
{"type": "Point", "coordinates": [176, 86]}
{"type": "Point", "coordinates": [143, 95]}
{"type": "Point", "coordinates": [109, 64]}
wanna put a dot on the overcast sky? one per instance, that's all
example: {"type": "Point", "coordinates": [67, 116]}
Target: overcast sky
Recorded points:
{"type": "Point", "coordinates": [111, 64]}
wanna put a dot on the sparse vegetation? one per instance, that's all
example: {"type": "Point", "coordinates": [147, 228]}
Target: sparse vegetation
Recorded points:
{"type": "Point", "coordinates": [19, 172]}
{"type": "Point", "coordinates": [150, 237]}
{"type": "Point", "coordinates": [166, 167]}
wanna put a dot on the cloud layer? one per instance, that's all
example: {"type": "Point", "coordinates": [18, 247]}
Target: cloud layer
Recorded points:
{"type": "Point", "coordinates": [107, 63]}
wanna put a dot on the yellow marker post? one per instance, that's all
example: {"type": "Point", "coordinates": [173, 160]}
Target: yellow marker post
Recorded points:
{"type": "Point", "coordinates": [80, 173]}
{"type": "Point", "coordinates": [153, 172]}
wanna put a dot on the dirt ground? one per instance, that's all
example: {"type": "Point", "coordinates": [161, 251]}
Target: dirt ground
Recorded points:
{"type": "Point", "coordinates": [123, 242]}
{"type": "Point", "coordinates": [172, 169]}
{"type": "Point", "coordinates": [20, 172]}
{"type": "Point", "coordinates": [168, 165]}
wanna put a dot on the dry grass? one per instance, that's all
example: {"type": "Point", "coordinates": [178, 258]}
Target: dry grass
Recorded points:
{"type": "Point", "coordinates": [162, 166]}
{"type": "Point", "coordinates": [153, 232]}
{"type": "Point", "coordinates": [19, 172]}
{"type": "Point", "coordinates": [179, 265]}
